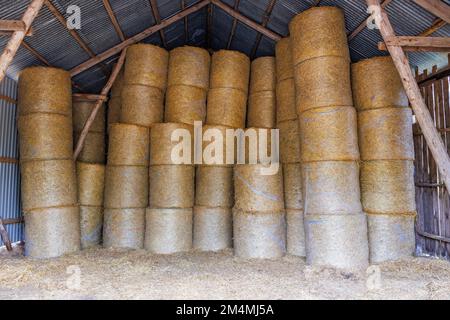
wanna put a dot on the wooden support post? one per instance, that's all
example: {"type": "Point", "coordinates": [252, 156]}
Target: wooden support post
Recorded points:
{"type": "Point", "coordinates": [418, 105]}
{"type": "Point", "coordinates": [363, 25]}
{"type": "Point", "coordinates": [5, 237]}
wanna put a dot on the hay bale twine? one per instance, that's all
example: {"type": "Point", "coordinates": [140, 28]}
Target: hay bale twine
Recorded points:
{"type": "Point", "coordinates": [45, 90]}
{"type": "Point", "coordinates": [126, 187]}
{"type": "Point", "coordinates": [172, 186]}
{"type": "Point", "coordinates": [263, 75]}
{"type": "Point", "coordinates": [81, 111]}
{"type": "Point", "coordinates": [214, 186]}
{"type": "Point", "coordinates": [52, 232]}
{"type": "Point", "coordinates": [323, 82]}
{"type": "Point", "coordinates": [213, 228]}
{"type": "Point", "coordinates": [94, 148]}
{"type": "Point", "coordinates": [168, 230]}
{"type": "Point", "coordinates": [129, 145]}
{"type": "Point", "coordinates": [289, 141]}
{"type": "Point", "coordinates": [286, 101]}
{"type": "Point", "coordinates": [146, 65]}
{"type": "Point", "coordinates": [295, 233]}
{"type": "Point", "coordinates": [259, 235]}
{"type": "Point", "coordinates": [331, 188]}
{"type": "Point", "coordinates": [227, 107]}
{"type": "Point", "coordinates": [114, 110]}
{"type": "Point", "coordinates": [141, 105]}
{"type": "Point", "coordinates": [386, 134]}
{"type": "Point", "coordinates": [329, 134]}
{"type": "Point", "coordinates": [292, 178]}
{"type": "Point", "coordinates": [45, 136]}
{"type": "Point", "coordinates": [48, 183]}
{"type": "Point", "coordinates": [91, 223]}
{"type": "Point", "coordinates": [185, 104]}
{"type": "Point", "coordinates": [189, 66]}
{"type": "Point", "coordinates": [124, 228]}
{"type": "Point", "coordinates": [91, 183]}
{"type": "Point", "coordinates": [338, 241]}
{"type": "Point", "coordinates": [318, 32]}
{"type": "Point", "coordinates": [230, 69]}
{"type": "Point", "coordinates": [387, 187]}
{"type": "Point", "coordinates": [391, 237]}
{"type": "Point", "coordinates": [284, 63]}
{"type": "Point", "coordinates": [262, 110]}
{"type": "Point", "coordinates": [257, 192]}
{"type": "Point", "coordinates": [377, 84]}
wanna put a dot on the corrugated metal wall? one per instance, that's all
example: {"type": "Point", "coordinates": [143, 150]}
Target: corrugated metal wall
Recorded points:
{"type": "Point", "coordinates": [9, 166]}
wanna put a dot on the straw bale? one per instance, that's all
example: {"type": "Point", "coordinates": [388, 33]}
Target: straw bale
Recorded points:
{"type": "Point", "coordinates": [386, 134]}
{"type": "Point", "coordinates": [262, 110]}
{"type": "Point", "coordinates": [116, 89]}
{"type": "Point", "coordinates": [283, 56]}
{"type": "Point", "coordinates": [207, 129]}
{"type": "Point", "coordinates": [331, 188]}
{"type": "Point", "coordinates": [390, 237]}
{"type": "Point", "coordinates": [91, 182]}
{"type": "Point", "coordinates": [45, 136]}
{"type": "Point", "coordinates": [213, 228]}
{"type": "Point", "coordinates": [266, 149]}
{"type": "Point", "coordinates": [227, 107]}
{"type": "Point", "coordinates": [91, 223]}
{"type": "Point", "coordinates": [329, 134]}
{"type": "Point", "coordinates": [292, 178]}
{"type": "Point", "coordinates": [257, 192]}
{"type": "Point", "coordinates": [214, 186]}
{"type": "Point", "coordinates": [168, 230]}
{"type": "Point", "coordinates": [377, 84]}
{"type": "Point", "coordinates": [141, 105]}
{"type": "Point", "coordinates": [323, 82]}
{"type": "Point", "coordinates": [286, 100]}
{"type": "Point", "coordinates": [189, 66]}
{"type": "Point", "coordinates": [230, 69]}
{"type": "Point", "coordinates": [295, 234]}
{"type": "Point", "coordinates": [129, 145]}
{"type": "Point", "coordinates": [185, 104]}
{"type": "Point", "coordinates": [146, 65]}
{"type": "Point", "coordinates": [48, 183]}
{"type": "Point", "coordinates": [46, 90]}
{"type": "Point", "coordinates": [94, 148]}
{"type": "Point", "coordinates": [81, 111]}
{"type": "Point", "coordinates": [126, 187]}
{"type": "Point", "coordinates": [318, 32]}
{"type": "Point", "coordinates": [387, 187]}
{"type": "Point", "coordinates": [52, 232]}
{"type": "Point", "coordinates": [124, 228]}
{"type": "Point", "coordinates": [263, 75]}
{"type": "Point", "coordinates": [172, 186]}
{"type": "Point", "coordinates": [289, 141]}
{"type": "Point", "coordinates": [114, 110]}
{"type": "Point", "coordinates": [259, 235]}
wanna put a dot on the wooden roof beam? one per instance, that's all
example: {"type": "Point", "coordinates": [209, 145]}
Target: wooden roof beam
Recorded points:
{"type": "Point", "coordinates": [265, 21]}
{"type": "Point", "coordinates": [435, 44]}
{"type": "Point", "coordinates": [8, 27]}
{"type": "Point", "coordinates": [233, 27]}
{"type": "Point", "coordinates": [363, 25]}
{"type": "Point", "coordinates": [157, 17]}
{"type": "Point", "coordinates": [186, 28]}
{"type": "Point", "coordinates": [437, 24]}
{"type": "Point", "coordinates": [113, 18]}
{"type": "Point", "coordinates": [436, 7]}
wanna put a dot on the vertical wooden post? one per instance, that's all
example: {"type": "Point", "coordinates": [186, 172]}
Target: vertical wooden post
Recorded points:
{"type": "Point", "coordinates": [5, 237]}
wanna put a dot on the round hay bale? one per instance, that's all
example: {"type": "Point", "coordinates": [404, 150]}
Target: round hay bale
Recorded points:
{"type": "Point", "coordinates": [161, 144]}
{"type": "Point", "coordinates": [318, 32]}
{"type": "Point", "coordinates": [52, 232]}
{"type": "Point", "coordinates": [168, 230]}
{"type": "Point", "coordinates": [213, 228]}
{"type": "Point", "coordinates": [126, 187]}
{"type": "Point", "coordinates": [284, 63]}
{"type": "Point", "coordinates": [331, 188]}
{"type": "Point", "coordinates": [189, 66]}
{"type": "Point", "coordinates": [214, 186]}
{"type": "Point", "coordinates": [124, 228]}
{"type": "Point", "coordinates": [387, 187]}
{"type": "Point", "coordinates": [45, 136]}
{"type": "Point", "coordinates": [230, 69]}
{"type": "Point", "coordinates": [91, 224]}
{"type": "Point", "coordinates": [185, 104]}
{"type": "Point", "coordinates": [257, 149]}
{"type": "Point", "coordinates": [91, 183]}
{"type": "Point", "coordinates": [116, 89]}
{"type": "Point", "coordinates": [295, 233]}
{"type": "Point", "coordinates": [48, 183]}
{"type": "Point", "coordinates": [146, 65]}
{"type": "Point", "coordinates": [292, 174]}
{"type": "Point", "coordinates": [211, 146]}
{"type": "Point", "coordinates": [262, 110]}
{"type": "Point", "coordinates": [286, 101]}
{"type": "Point", "coordinates": [259, 235]}
{"type": "Point", "coordinates": [257, 192]}
{"type": "Point", "coordinates": [289, 141]}
{"type": "Point", "coordinates": [172, 186]}
{"type": "Point", "coordinates": [141, 105]}
{"type": "Point", "coordinates": [81, 111]}
{"type": "Point", "coordinates": [263, 75]}
{"type": "Point", "coordinates": [329, 134]}
{"type": "Point", "coordinates": [227, 107]}
{"type": "Point", "coordinates": [129, 145]}
{"type": "Point", "coordinates": [386, 134]}
{"type": "Point", "coordinates": [377, 84]}
{"type": "Point", "coordinates": [94, 148]}
{"type": "Point", "coordinates": [323, 82]}
{"type": "Point", "coordinates": [390, 237]}
{"type": "Point", "coordinates": [114, 110]}
{"type": "Point", "coordinates": [338, 241]}
{"type": "Point", "coordinates": [45, 90]}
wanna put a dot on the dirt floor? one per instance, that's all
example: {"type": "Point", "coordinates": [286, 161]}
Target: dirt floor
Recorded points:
{"type": "Point", "coordinates": [113, 274]}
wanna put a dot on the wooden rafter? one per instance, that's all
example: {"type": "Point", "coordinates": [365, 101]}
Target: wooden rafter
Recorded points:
{"type": "Point", "coordinates": [157, 17]}
{"type": "Point", "coordinates": [209, 25]}
{"type": "Point", "coordinates": [264, 23]}
{"type": "Point", "coordinates": [363, 24]}
{"type": "Point", "coordinates": [435, 44]}
{"type": "Point", "coordinates": [7, 27]}
{"type": "Point", "coordinates": [437, 7]}
{"type": "Point", "coordinates": [113, 18]}
{"type": "Point", "coordinates": [233, 27]}
{"type": "Point", "coordinates": [437, 24]}
{"type": "Point", "coordinates": [186, 28]}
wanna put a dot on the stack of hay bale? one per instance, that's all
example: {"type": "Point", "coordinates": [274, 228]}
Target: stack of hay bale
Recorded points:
{"type": "Point", "coordinates": [387, 154]}
{"type": "Point", "coordinates": [115, 101]}
{"type": "Point", "coordinates": [335, 225]}
{"type": "Point", "coordinates": [214, 197]}
{"type": "Point", "coordinates": [49, 186]}
{"type": "Point", "coordinates": [287, 122]}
